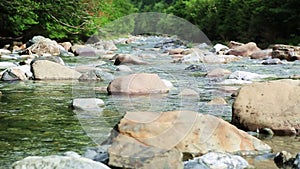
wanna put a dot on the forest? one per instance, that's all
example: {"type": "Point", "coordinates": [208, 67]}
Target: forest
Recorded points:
{"type": "Point", "coordinates": [262, 21]}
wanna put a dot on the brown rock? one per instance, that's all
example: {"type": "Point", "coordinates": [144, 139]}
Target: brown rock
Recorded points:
{"type": "Point", "coordinates": [189, 92]}
{"type": "Point", "coordinates": [244, 50]}
{"type": "Point", "coordinates": [261, 54]}
{"type": "Point", "coordinates": [233, 44]}
{"type": "Point", "coordinates": [66, 45]}
{"type": "Point", "coordinates": [175, 51]}
{"type": "Point", "coordinates": [128, 59]}
{"type": "Point", "coordinates": [217, 101]}
{"type": "Point", "coordinates": [45, 46]}
{"type": "Point", "coordinates": [287, 52]}
{"type": "Point", "coordinates": [142, 83]}
{"type": "Point", "coordinates": [218, 72]}
{"type": "Point", "coordinates": [126, 152]}
{"type": "Point", "coordinates": [47, 70]}
{"type": "Point", "coordinates": [188, 131]}
{"type": "Point", "coordinates": [273, 105]}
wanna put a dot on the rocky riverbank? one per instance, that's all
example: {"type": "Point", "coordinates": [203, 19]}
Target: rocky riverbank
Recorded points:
{"type": "Point", "coordinates": [177, 130]}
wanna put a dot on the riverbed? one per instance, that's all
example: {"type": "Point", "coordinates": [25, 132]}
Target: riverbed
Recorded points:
{"type": "Point", "coordinates": [36, 117]}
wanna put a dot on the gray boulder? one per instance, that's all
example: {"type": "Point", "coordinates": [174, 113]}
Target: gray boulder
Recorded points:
{"type": "Point", "coordinates": [217, 160]}
{"type": "Point", "coordinates": [57, 162]}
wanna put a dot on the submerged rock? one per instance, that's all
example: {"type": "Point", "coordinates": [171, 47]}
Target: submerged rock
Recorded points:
{"type": "Point", "coordinates": [273, 105]}
{"type": "Point", "coordinates": [123, 68]}
{"type": "Point", "coordinates": [142, 83]}
{"type": "Point", "coordinates": [217, 101]}
{"type": "Point", "coordinates": [217, 160]}
{"type": "Point", "coordinates": [57, 162]}
{"type": "Point", "coordinates": [88, 104]}
{"type": "Point", "coordinates": [127, 152]}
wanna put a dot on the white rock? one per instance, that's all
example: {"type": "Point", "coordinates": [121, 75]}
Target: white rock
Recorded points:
{"type": "Point", "coordinates": [242, 75]}
{"type": "Point", "coordinates": [4, 52]}
{"type": "Point", "coordinates": [123, 68]}
{"type": "Point", "coordinates": [57, 162]}
{"type": "Point", "coordinates": [5, 65]}
{"type": "Point", "coordinates": [88, 103]}
{"type": "Point", "coordinates": [219, 47]}
{"type": "Point", "coordinates": [168, 83]}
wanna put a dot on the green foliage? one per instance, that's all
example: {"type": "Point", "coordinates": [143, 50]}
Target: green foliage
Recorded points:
{"type": "Point", "coordinates": [262, 21]}
{"type": "Point", "coordinates": [59, 19]}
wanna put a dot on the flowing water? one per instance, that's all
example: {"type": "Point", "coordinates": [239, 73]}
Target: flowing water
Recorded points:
{"type": "Point", "coordinates": [36, 118]}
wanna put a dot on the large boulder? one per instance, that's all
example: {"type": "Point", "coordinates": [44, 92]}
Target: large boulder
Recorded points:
{"type": "Point", "coordinates": [273, 105]}
{"type": "Point", "coordinates": [57, 162]}
{"type": "Point", "coordinates": [287, 52]}
{"type": "Point", "coordinates": [244, 50]}
{"type": "Point", "coordinates": [127, 152]}
{"type": "Point", "coordinates": [47, 70]}
{"type": "Point", "coordinates": [142, 83]}
{"type": "Point", "coordinates": [188, 132]}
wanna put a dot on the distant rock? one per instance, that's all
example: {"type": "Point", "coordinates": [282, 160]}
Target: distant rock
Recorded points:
{"type": "Point", "coordinates": [42, 45]}
{"type": "Point", "coordinates": [273, 105]}
{"type": "Point", "coordinates": [142, 83]}
{"type": "Point", "coordinates": [217, 160]}
{"type": "Point", "coordinates": [4, 52]}
{"type": "Point", "coordinates": [218, 72]}
{"type": "Point", "coordinates": [270, 61]}
{"type": "Point", "coordinates": [219, 49]}
{"type": "Point", "coordinates": [47, 70]}
{"type": "Point", "coordinates": [248, 76]}
{"type": "Point", "coordinates": [66, 45]}
{"type": "Point", "coordinates": [57, 162]}
{"type": "Point", "coordinates": [261, 54]}
{"type": "Point", "coordinates": [175, 51]}
{"type": "Point", "coordinates": [128, 59]}
{"type": "Point", "coordinates": [233, 44]}
{"type": "Point", "coordinates": [287, 52]}
{"type": "Point", "coordinates": [89, 51]}
{"type": "Point", "coordinates": [244, 50]}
